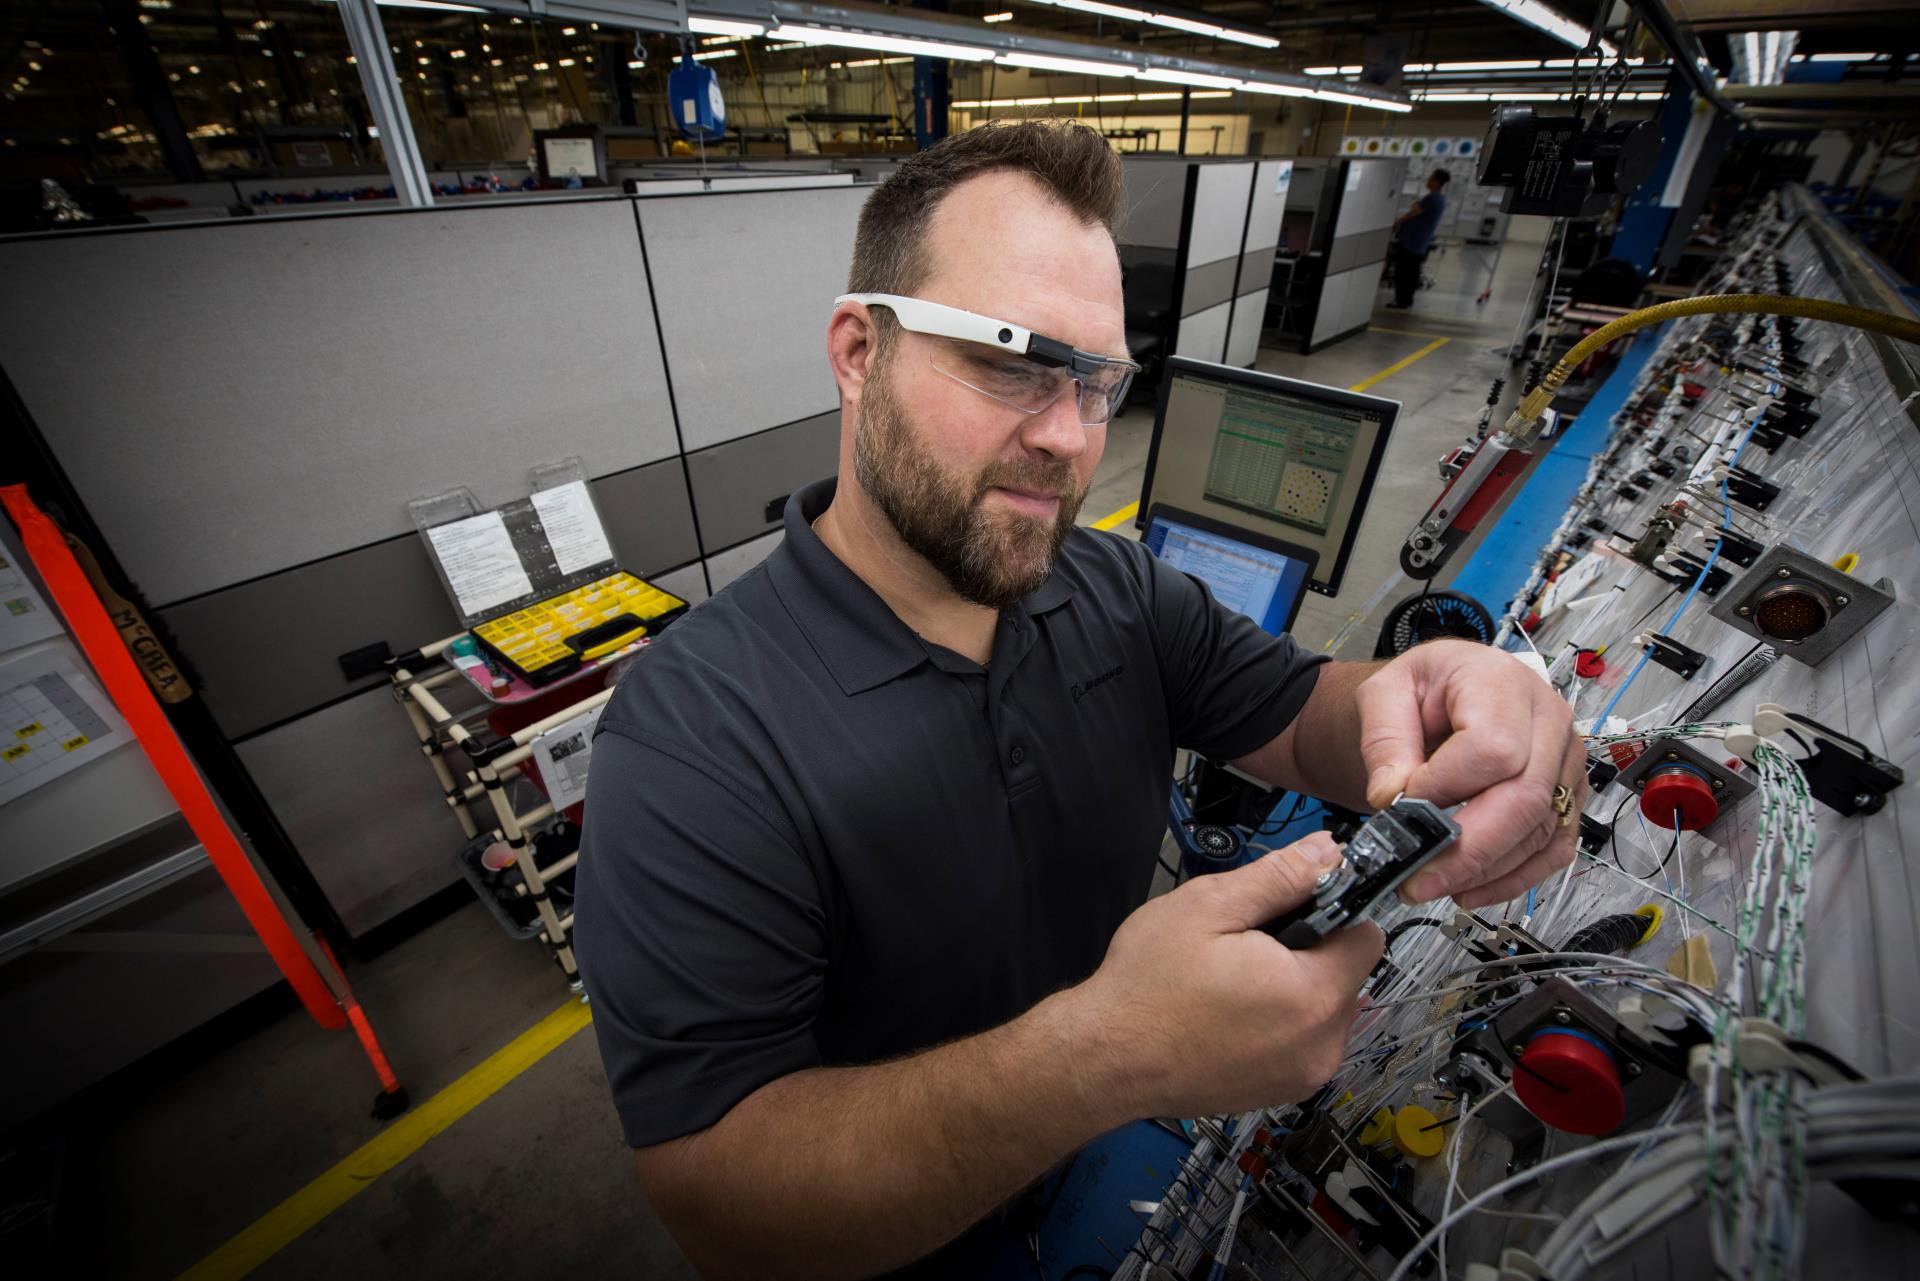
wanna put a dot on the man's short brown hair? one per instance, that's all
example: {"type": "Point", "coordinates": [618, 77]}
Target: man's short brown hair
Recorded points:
{"type": "Point", "coordinates": [1071, 162]}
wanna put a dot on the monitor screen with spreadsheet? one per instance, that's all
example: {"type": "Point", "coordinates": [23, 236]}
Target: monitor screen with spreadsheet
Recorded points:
{"type": "Point", "coordinates": [1289, 459]}
{"type": "Point", "coordinates": [1247, 572]}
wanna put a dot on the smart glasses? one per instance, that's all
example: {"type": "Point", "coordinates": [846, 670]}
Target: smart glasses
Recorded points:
{"type": "Point", "coordinates": [1020, 369]}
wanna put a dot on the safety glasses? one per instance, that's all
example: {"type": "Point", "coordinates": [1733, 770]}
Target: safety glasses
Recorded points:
{"type": "Point", "coordinates": [1000, 360]}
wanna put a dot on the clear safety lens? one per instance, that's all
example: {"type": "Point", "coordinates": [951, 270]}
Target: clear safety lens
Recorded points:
{"type": "Point", "coordinates": [1030, 387]}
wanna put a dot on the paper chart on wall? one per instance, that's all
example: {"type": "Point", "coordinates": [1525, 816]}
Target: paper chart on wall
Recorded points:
{"type": "Point", "coordinates": [24, 614]}
{"type": "Point", "coordinates": [53, 720]}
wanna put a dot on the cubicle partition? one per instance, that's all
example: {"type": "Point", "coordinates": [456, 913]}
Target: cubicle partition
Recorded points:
{"type": "Point", "coordinates": [1198, 246]}
{"type": "Point", "coordinates": [1353, 231]}
{"type": "Point", "coordinates": [245, 408]}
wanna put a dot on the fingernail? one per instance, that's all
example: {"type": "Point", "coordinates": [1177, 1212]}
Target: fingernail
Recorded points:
{"type": "Point", "coordinates": [1426, 886]}
{"type": "Point", "coordinates": [1325, 853]}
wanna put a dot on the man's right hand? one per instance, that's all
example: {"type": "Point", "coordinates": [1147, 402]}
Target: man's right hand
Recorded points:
{"type": "Point", "coordinates": [1201, 1012]}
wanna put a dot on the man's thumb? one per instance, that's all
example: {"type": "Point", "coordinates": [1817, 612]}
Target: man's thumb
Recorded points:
{"type": "Point", "coordinates": [1251, 896]}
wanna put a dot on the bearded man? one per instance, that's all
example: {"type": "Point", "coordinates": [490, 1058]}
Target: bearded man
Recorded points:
{"type": "Point", "coordinates": [863, 899]}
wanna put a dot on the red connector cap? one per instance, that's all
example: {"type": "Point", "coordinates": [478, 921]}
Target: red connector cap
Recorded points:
{"type": "Point", "coordinates": [1678, 790]}
{"type": "Point", "coordinates": [1569, 1080]}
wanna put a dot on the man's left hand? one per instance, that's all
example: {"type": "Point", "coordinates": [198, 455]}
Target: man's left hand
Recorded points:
{"type": "Point", "coordinates": [1452, 721]}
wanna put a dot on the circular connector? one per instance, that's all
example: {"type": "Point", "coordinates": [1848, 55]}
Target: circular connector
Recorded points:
{"type": "Point", "coordinates": [1792, 610]}
{"type": "Point", "coordinates": [1681, 790]}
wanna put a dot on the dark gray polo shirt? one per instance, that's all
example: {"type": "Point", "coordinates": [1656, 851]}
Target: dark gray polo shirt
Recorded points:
{"type": "Point", "coordinates": [814, 838]}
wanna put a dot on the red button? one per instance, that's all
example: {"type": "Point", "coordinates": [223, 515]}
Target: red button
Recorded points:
{"type": "Point", "coordinates": [1587, 664]}
{"type": "Point", "coordinates": [1570, 1081]}
{"type": "Point", "coordinates": [1678, 789]}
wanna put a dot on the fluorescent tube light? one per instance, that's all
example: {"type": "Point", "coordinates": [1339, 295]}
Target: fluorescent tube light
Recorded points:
{"type": "Point", "coordinates": [1071, 66]}
{"type": "Point", "coordinates": [1190, 78]}
{"type": "Point", "coordinates": [1184, 24]}
{"type": "Point", "coordinates": [1279, 91]}
{"type": "Point", "coordinates": [1356, 100]}
{"type": "Point", "coordinates": [879, 43]}
{"type": "Point", "coordinates": [1096, 6]}
{"type": "Point", "coordinates": [1541, 18]}
{"type": "Point", "coordinates": [1516, 64]}
{"type": "Point", "coordinates": [711, 54]}
{"type": "Point", "coordinates": [997, 17]}
{"type": "Point", "coordinates": [1248, 37]}
{"type": "Point", "coordinates": [722, 26]}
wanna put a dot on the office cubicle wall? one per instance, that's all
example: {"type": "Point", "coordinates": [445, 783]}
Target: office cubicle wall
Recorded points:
{"type": "Point", "coordinates": [1354, 231]}
{"type": "Point", "coordinates": [1265, 204]}
{"type": "Point", "coordinates": [1216, 229]}
{"type": "Point", "coordinates": [1211, 227]}
{"type": "Point", "coordinates": [246, 407]}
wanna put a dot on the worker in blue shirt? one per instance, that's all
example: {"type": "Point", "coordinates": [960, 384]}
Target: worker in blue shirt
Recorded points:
{"type": "Point", "coordinates": [1413, 236]}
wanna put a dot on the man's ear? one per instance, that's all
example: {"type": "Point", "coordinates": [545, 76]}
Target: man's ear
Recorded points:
{"type": "Point", "coordinates": [851, 340]}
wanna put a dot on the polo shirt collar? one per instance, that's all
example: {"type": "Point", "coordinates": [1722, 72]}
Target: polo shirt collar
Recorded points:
{"type": "Point", "coordinates": [861, 641]}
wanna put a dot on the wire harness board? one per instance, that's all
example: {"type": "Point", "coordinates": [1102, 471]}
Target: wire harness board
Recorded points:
{"type": "Point", "coordinates": [1695, 1051]}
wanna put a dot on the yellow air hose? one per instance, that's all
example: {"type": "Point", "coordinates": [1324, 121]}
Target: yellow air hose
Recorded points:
{"type": "Point", "coordinates": [1534, 404]}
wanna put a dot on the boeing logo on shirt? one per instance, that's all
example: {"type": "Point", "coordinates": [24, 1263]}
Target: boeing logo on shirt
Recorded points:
{"type": "Point", "coordinates": [1093, 683]}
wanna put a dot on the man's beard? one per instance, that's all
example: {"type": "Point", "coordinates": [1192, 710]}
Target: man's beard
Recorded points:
{"type": "Point", "coordinates": [991, 557]}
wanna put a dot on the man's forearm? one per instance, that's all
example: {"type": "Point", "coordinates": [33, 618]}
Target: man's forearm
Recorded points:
{"type": "Point", "coordinates": [850, 1171]}
{"type": "Point", "coordinates": [1319, 754]}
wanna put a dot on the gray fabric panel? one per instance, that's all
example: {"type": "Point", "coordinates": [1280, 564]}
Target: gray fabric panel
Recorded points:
{"type": "Point", "coordinates": [1340, 254]}
{"type": "Point", "coordinates": [1372, 246]}
{"type": "Point", "coordinates": [689, 583]}
{"type": "Point", "coordinates": [1208, 286]}
{"type": "Point", "coordinates": [1156, 196]}
{"type": "Point", "coordinates": [1256, 270]}
{"type": "Point", "coordinates": [647, 517]}
{"type": "Point", "coordinates": [361, 806]}
{"type": "Point", "coordinates": [728, 565]}
{"type": "Point", "coordinates": [306, 617]}
{"type": "Point", "coordinates": [267, 650]}
{"type": "Point", "coordinates": [734, 482]}
{"type": "Point", "coordinates": [237, 397]}
{"type": "Point", "coordinates": [745, 283]}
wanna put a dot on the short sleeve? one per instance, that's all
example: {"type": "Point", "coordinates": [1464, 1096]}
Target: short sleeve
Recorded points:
{"type": "Point", "coordinates": [1231, 687]}
{"type": "Point", "coordinates": [699, 933]}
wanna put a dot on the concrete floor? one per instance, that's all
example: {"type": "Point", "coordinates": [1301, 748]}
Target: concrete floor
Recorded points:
{"type": "Point", "coordinates": [172, 1160]}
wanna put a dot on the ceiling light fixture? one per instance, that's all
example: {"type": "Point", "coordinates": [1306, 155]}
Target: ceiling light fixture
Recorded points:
{"type": "Point", "coordinates": [1195, 78]}
{"type": "Point", "coordinates": [879, 43]}
{"type": "Point", "coordinates": [1070, 66]}
{"type": "Point", "coordinates": [722, 26]}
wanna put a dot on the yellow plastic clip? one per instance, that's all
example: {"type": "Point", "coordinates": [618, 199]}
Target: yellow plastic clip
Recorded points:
{"type": "Point", "coordinates": [1846, 563]}
{"type": "Point", "coordinates": [1378, 1129]}
{"type": "Point", "coordinates": [1654, 916]}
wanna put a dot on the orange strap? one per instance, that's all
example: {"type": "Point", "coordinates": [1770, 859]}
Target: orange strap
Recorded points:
{"type": "Point", "coordinates": [128, 688]}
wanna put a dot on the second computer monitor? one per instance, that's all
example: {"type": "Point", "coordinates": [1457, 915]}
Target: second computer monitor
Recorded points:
{"type": "Point", "coordinates": [1249, 573]}
{"type": "Point", "coordinates": [1291, 459]}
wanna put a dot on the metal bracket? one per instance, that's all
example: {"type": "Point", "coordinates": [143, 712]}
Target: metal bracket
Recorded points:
{"type": "Point", "coordinates": [1786, 584]}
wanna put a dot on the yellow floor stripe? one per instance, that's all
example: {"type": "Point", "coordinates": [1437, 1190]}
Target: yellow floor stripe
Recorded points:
{"type": "Point", "coordinates": [1398, 365]}
{"type": "Point", "coordinates": [1406, 333]}
{"type": "Point", "coordinates": [280, 1226]}
{"type": "Point", "coordinates": [1124, 514]}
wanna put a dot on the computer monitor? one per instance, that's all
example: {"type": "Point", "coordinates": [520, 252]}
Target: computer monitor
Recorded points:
{"type": "Point", "coordinates": [1249, 573]}
{"type": "Point", "coordinates": [1290, 459]}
